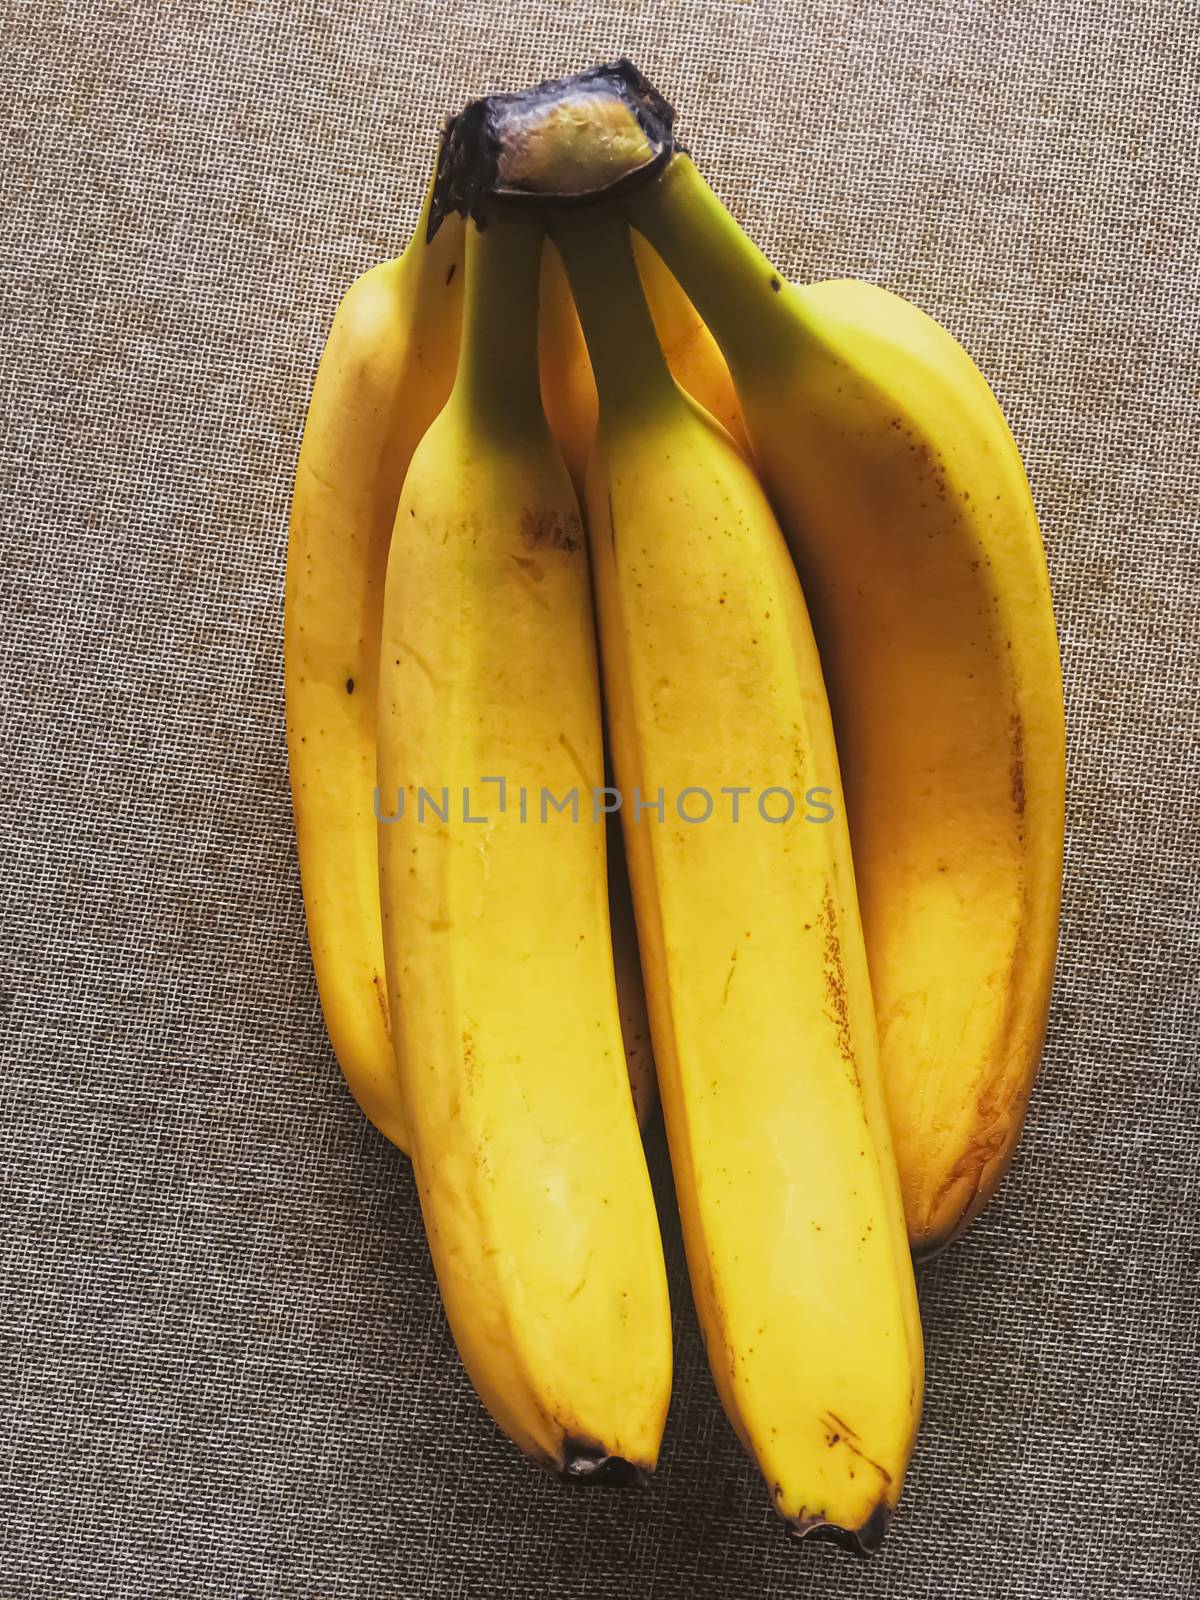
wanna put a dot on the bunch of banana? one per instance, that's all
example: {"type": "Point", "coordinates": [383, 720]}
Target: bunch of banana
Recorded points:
{"type": "Point", "coordinates": [844, 836]}
{"type": "Point", "coordinates": [910, 518]}
{"type": "Point", "coordinates": [386, 372]}
{"type": "Point", "coordinates": [525, 1145]}
{"type": "Point", "coordinates": [752, 948]}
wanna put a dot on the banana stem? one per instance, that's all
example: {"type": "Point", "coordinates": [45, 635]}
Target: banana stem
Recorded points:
{"type": "Point", "coordinates": [629, 366]}
{"type": "Point", "coordinates": [731, 283]}
{"type": "Point", "coordinates": [498, 362]}
{"type": "Point", "coordinates": [425, 288]}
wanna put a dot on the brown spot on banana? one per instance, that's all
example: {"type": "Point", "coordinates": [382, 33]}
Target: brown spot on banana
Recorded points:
{"type": "Point", "coordinates": [381, 996]}
{"type": "Point", "coordinates": [544, 529]}
{"type": "Point", "coordinates": [862, 1456]}
{"type": "Point", "coordinates": [729, 977]}
{"type": "Point", "coordinates": [1017, 772]}
{"type": "Point", "coordinates": [835, 984]}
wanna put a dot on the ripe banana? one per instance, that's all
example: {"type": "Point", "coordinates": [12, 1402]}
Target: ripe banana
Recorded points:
{"type": "Point", "coordinates": [569, 401]}
{"type": "Point", "coordinates": [910, 518]}
{"type": "Point", "coordinates": [764, 1036]}
{"type": "Point", "coordinates": [528, 1162]}
{"type": "Point", "coordinates": [385, 373]}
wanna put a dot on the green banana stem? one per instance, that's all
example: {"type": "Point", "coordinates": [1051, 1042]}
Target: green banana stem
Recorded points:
{"type": "Point", "coordinates": [630, 369]}
{"type": "Point", "coordinates": [731, 283]}
{"type": "Point", "coordinates": [498, 361]}
{"type": "Point", "coordinates": [426, 289]}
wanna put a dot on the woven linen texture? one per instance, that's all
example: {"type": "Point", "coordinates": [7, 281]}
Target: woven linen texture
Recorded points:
{"type": "Point", "coordinates": [225, 1370]}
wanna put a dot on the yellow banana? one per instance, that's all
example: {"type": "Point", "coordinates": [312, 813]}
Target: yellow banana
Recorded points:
{"type": "Point", "coordinates": [914, 532]}
{"type": "Point", "coordinates": [764, 1036]}
{"type": "Point", "coordinates": [525, 1146]}
{"type": "Point", "coordinates": [569, 401]}
{"type": "Point", "coordinates": [385, 373]}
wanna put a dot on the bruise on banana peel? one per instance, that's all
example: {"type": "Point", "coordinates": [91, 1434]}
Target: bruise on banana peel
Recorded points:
{"type": "Point", "coordinates": [543, 529]}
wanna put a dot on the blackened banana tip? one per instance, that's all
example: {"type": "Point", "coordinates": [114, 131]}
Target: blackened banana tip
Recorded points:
{"type": "Point", "coordinates": [863, 1541]}
{"type": "Point", "coordinates": [585, 1464]}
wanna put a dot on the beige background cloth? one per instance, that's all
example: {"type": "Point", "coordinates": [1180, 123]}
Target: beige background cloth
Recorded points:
{"type": "Point", "coordinates": [224, 1366]}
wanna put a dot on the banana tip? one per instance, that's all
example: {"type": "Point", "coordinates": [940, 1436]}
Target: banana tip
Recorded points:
{"type": "Point", "coordinates": [589, 1464]}
{"type": "Point", "coordinates": [932, 1244]}
{"type": "Point", "coordinates": [861, 1541]}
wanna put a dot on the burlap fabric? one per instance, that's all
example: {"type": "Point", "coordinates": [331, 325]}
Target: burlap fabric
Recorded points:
{"type": "Point", "coordinates": [225, 1368]}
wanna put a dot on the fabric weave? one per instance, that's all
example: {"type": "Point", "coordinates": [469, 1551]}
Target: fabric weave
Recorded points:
{"type": "Point", "coordinates": [225, 1368]}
